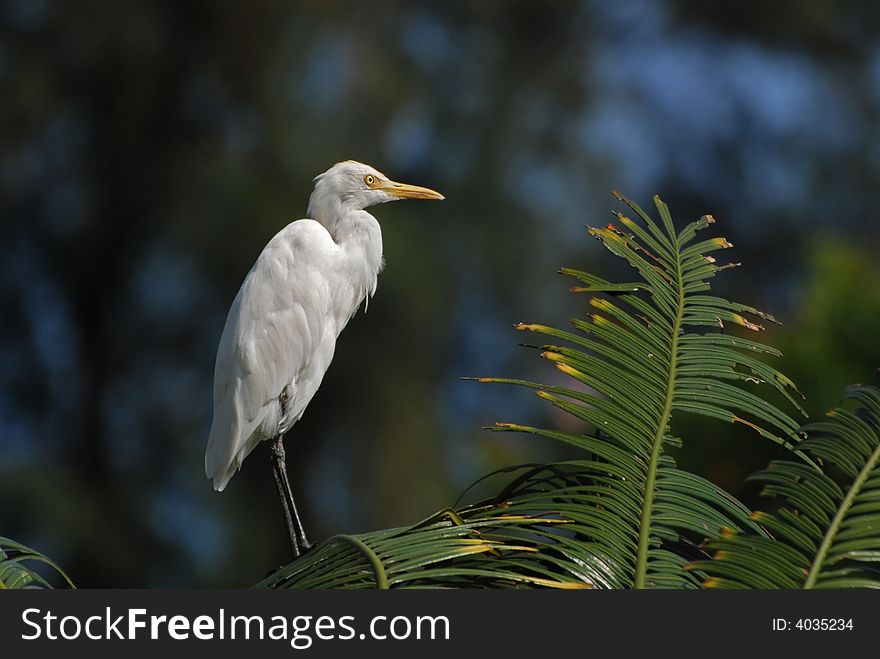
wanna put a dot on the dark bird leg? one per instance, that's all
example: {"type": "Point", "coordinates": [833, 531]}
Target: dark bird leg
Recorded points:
{"type": "Point", "coordinates": [295, 530]}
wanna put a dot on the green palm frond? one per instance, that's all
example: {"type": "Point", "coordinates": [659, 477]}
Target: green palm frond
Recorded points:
{"type": "Point", "coordinates": [14, 573]}
{"type": "Point", "coordinates": [648, 349]}
{"type": "Point", "coordinates": [826, 534]}
{"type": "Point", "coordinates": [601, 509]}
{"type": "Point", "coordinates": [479, 547]}
{"type": "Point", "coordinates": [554, 526]}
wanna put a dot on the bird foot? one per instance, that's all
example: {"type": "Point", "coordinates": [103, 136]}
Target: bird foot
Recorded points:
{"type": "Point", "coordinates": [305, 548]}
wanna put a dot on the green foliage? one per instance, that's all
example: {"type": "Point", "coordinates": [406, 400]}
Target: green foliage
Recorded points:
{"type": "Point", "coordinates": [826, 534]}
{"type": "Point", "coordinates": [449, 549]}
{"type": "Point", "coordinates": [649, 349]}
{"type": "Point", "coordinates": [15, 574]}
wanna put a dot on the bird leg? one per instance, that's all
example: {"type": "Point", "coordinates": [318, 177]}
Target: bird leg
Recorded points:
{"type": "Point", "coordinates": [295, 530]}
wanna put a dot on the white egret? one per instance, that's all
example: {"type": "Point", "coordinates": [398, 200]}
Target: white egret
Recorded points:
{"type": "Point", "coordinates": [281, 330]}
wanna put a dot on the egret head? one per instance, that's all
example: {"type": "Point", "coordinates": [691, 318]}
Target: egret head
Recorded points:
{"type": "Point", "coordinates": [351, 185]}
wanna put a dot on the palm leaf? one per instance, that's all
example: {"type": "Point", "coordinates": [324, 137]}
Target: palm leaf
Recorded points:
{"type": "Point", "coordinates": [478, 547]}
{"type": "Point", "coordinates": [826, 534]}
{"type": "Point", "coordinates": [554, 526]}
{"type": "Point", "coordinates": [648, 349]}
{"type": "Point", "coordinates": [14, 573]}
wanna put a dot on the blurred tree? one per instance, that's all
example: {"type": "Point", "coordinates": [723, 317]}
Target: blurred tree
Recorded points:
{"type": "Point", "coordinates": [832, 338]}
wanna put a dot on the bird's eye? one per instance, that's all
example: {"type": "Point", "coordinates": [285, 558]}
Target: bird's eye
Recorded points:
{"type": "Point", "coordinates": [369, 179]}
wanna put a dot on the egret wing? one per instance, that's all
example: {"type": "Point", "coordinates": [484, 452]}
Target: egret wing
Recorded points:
{"type": "Point", "coordinates": [278, 322]}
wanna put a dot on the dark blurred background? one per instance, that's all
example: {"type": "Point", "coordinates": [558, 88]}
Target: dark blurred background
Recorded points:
{"type": "Point", "coordinates": [148, 151]}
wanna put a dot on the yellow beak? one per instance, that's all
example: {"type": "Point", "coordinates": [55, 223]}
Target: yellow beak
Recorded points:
{"type": "Point", "coordinates": [407, 191]}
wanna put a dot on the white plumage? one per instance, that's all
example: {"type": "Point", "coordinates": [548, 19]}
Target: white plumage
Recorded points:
{"type": "Point", "coordinates": [280, 334]}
